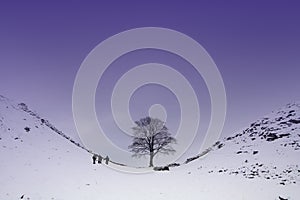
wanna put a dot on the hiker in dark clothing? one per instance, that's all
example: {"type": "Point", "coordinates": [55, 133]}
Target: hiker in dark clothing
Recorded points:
{"type": "Point", "coordinates": [94, 158]}
{"type": "Point", "coordinates": [99, 159]}
{"type": "Point", "coordinates": [106, 160]}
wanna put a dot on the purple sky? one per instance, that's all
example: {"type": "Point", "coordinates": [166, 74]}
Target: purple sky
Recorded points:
{"type": "Point", "coordinates": [255, 45]}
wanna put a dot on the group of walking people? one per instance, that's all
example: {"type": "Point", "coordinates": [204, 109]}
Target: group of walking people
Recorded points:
{"type": "Point", "coordinates": [99, 159]}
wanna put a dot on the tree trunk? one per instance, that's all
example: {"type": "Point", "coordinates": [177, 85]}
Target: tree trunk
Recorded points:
{"type": "Point", "coordinates": [151, 159]}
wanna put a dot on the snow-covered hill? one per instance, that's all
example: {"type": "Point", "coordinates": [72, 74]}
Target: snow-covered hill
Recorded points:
{"type": "Point", "coordinates": [38, 161]}
{"type": "Point", "coordinates": [268, 149]}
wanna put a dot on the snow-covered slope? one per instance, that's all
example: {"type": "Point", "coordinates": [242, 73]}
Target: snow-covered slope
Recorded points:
{"type": "Point", "coordinates": [32, 155]}
{"type": "Point", "coordinates": [37, 161]}
{"type": "Point", "coordinates": [269, 149]}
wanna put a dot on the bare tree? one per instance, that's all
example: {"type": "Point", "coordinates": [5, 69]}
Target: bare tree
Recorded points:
{"type": "Point", "coordinates": [151, 137]}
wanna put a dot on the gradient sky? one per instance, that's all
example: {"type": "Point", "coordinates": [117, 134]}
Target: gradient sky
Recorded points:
{"type": "Point", "coordinates": [255, 44]}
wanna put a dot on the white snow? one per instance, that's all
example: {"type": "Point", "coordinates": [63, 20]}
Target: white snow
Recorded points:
{"type": "Point", "coordinates": [41, 164]}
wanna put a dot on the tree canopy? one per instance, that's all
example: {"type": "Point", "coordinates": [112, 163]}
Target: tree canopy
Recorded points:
{"type": "Point", "coordinates": [151, 136]}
